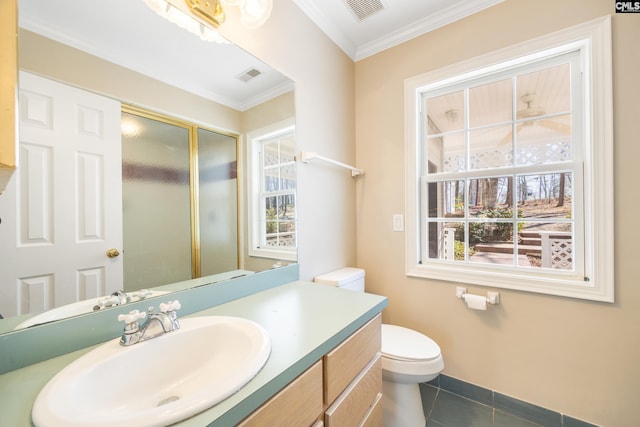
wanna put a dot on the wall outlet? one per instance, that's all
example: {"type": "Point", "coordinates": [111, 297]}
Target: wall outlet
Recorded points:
{"type": "Point", "coordinates": [398, 222]}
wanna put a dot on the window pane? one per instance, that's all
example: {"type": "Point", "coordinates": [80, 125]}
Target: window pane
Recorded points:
{"type": "Point", "coordinates": [447, 153]}
{"type": "Point", "coordinates": [544, 140]}
{"type": "Point", "coordinates": [547, 244]}
{"type": "Point", "coordinates": [280, 223]}
{"type": "Point", "coordinates": [271, 180]}
{"type": "Point", "coordinates": [288, 163]}
{"type": "Point", "coordinates": [446, 199]}
{"type": "Point", "coordinates": [492, 243]}
{"type": "Point", "coordinates": [286, 207]}
{"type": "Point", "coordinates": [491, 197]}
{"type": "Point", "coordinates": [491, 103]}
{"type": "Point", "coordinates": [287, 149]}
{"type": "Point", "coordinates": [271, 208]}
{"type": "Point", "coordinates": [446, 241]}
{"type": "Point", "coordinates": [545, 195]}
{"type": "Point", "coordinates": [270, 153]}
{"type": "Point", "coordinates": [288, 177]}
{"type": "Point", "coordinates": [491, 147]}
{"type": "Point", "coordinates": [544, 92]}
{"type": "Point", "coordinates": [445, 113]}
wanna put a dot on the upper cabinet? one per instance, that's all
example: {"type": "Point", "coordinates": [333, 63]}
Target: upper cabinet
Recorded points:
{"type": "Point", "coordinates": [8, 90]}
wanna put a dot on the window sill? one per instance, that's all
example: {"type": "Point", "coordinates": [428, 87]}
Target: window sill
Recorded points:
{"type": "Point", "coordinates": [284, 255]}
{"type": "Point", "coordinates": [551, 283]}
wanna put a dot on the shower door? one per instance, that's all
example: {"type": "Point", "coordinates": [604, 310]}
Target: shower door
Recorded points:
{"type": "Point", "coordinates": [176, 227]}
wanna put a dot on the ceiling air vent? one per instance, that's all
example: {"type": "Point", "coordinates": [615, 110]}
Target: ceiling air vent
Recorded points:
{"type": "Point", "coordinates": [251, 73]}
{"type": "Point", "coordinates": [364, 8]}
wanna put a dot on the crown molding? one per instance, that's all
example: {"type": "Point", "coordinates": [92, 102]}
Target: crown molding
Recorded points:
{"type": "Point", "coordinates": [451, 14]}
{"type": "Point", "coordinates": [423, 26]}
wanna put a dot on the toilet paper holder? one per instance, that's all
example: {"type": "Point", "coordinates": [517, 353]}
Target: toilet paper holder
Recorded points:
{"type": "Point", "coordinates": [492, 297]}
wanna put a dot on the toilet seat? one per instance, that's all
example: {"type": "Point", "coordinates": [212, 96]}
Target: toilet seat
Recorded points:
{"type": "Point", "coordinates": [407, 345]}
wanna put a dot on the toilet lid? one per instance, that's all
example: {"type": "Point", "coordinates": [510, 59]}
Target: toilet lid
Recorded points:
{"type": "Point", "coordinates": [406, 344]}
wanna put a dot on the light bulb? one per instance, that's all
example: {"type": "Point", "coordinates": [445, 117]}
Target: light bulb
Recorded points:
{"type": "Point", "coordinates": [254, 13]}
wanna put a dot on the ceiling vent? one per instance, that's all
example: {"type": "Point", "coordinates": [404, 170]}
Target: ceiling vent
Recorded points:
{"type": "Point", "coordinates": [364, 8]}
{"type": "Point", "coordinates": [249, 74]}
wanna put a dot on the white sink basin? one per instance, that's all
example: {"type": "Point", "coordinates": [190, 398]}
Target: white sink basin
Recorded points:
{"type": "Point", "coordinates": [73, 309]}
{"type": "Point", "coordinates": [156, 382]}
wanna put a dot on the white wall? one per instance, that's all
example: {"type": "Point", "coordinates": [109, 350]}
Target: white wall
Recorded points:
{"type": "Point", "coordinates": [325, 123]}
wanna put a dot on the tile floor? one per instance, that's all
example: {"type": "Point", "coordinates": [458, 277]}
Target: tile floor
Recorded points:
{"type": "Point", "coordinates": [449, 402]}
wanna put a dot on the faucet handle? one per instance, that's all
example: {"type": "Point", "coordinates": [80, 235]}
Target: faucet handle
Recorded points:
{"type": "Point", "coordinates": [132, 317]}
{"type": "Point", "coordinates": [143, 293]}
{"type": "Point", "coordinates": [170, 306]}
{"type": "Point", "coordinates": [110, 301]}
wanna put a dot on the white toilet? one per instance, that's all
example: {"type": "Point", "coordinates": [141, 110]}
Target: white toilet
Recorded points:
{"type": "Point", "coordinates": [408, 358]}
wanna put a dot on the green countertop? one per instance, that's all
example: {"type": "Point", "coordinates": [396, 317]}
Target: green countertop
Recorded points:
{"type": "Point", "coordinates": [304, 321]}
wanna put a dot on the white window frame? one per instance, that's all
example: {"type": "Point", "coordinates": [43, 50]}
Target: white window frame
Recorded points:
{"type": "Point", "coordinates": [593, 40]}
{"type": "Point", "coordinates": [254, 203]}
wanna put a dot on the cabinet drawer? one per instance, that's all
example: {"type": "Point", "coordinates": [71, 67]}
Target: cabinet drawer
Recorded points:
{"type": "Point", "coordinates": [356, 402]}
{"type": "Point", "coordinates": [345, 361]}
{"type": "Point", "coordinates": [298, 404]}
{"type": "Point", "coordinates": [374, 417]}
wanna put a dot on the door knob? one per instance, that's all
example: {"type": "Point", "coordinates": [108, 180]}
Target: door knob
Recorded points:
{"type": "Point", "coordinates": [112, 253]}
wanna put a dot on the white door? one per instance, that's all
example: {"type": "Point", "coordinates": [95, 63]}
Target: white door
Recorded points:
{"type": "Point", "coordinates": [62, 210]}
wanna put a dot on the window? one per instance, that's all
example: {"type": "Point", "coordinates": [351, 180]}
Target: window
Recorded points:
{"type": "Point", "coordinates": [272, 189]}
{"type": "Point", "coordinates": [509, 181]}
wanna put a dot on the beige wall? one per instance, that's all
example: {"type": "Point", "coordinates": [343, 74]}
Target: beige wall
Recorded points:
{"type": "Point", "coordinates": [577, 357]}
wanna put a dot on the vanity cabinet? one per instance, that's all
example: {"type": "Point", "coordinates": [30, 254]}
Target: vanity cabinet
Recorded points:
{"type": "Point", "coordinates": [298, 404]}
{"type": "Point", "coordinates": [353, 379]}
{"type": "Point", "coordinates": [8, 90]}
{"type": "Point", "coordinates": [343, 389]}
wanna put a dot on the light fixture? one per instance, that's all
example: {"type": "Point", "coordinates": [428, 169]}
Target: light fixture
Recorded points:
{"type": "Point", "coordinates": [211, 10]}
{"type": "Point", "coordinates": [185, 21]}
{"type": "Point", "coordinates": [253, 13]}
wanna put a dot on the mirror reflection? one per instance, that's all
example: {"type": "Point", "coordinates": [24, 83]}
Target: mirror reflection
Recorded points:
{"type": "Point", "coordinates": [204, 116]}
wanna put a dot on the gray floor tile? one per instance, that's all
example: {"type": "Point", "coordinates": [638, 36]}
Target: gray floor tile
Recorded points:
{"type": "Point", "coordinates": [502, 419]}
{"type": "Point", "coordinates": [446, 409]}
{"type": "Point", "coordinates": [451, 410]}
{"type": "Point", "coordinates": [428, 395]}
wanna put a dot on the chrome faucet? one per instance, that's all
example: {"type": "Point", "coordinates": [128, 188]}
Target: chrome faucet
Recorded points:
{"type": "Point", "coordinates": [155, 324]}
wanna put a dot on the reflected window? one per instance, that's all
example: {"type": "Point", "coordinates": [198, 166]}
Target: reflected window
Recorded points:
{"type": "Point", "coordinates": [272, 192]}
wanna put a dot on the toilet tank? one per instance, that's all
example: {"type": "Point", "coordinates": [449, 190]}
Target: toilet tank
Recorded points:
{"type": "Point", "coordinates": [345, 278]}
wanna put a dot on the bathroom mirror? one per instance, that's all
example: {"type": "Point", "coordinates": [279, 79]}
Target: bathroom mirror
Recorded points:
{"type": "Point", "coordinates": [123, 50]}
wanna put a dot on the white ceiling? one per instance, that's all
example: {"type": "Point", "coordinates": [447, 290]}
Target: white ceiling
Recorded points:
{"type": "Point", "coordinates": [128, 33]}
{"type": "Point", "coordinates": [397, 21]}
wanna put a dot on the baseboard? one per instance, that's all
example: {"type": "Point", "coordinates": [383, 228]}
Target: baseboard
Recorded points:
{"type": "Point", "coordinates": [498, 401]}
